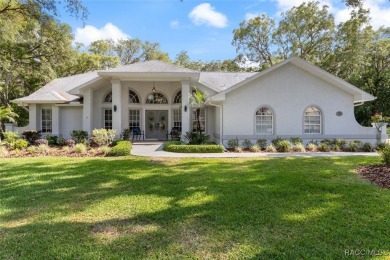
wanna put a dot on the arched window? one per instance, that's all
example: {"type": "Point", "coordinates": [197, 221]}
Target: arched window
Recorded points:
{"type": "Point", "coordinates": [312, 122]}
{"type": "Point", "coordinates": [156, 98]}
{"type": "Point", "coordinates": [177, 98]}
{"type": "Point", "coordinates": [133, 97]}
{"type": "Point", "coordinates": [108, 98]}
{"type": "Point", "coordinates": [264, 121]}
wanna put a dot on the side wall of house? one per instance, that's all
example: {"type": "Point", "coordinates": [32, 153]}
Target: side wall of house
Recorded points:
{"type": "Point", "coordinates": [288, 91]}
{"type": "Point", "coordinates": [71, 119]}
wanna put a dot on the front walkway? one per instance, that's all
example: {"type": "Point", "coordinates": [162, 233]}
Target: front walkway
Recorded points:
{"type": "Point", "coordinates": [154, 149]}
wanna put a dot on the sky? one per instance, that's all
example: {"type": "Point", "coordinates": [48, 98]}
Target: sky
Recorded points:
{"type": "Point", "coordinates": [202, 28]}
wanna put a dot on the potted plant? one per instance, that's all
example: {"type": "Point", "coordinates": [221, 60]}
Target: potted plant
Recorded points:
{"type": "Point", "coordinates": [176, 135]}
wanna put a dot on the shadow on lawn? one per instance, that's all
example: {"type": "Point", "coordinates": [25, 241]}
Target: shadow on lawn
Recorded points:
{"type": "Point", "coordinates": [284, 208]}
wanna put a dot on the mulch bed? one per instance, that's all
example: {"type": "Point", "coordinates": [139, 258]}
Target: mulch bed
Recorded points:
{"type": "Point", "coordinates": [378, 174]}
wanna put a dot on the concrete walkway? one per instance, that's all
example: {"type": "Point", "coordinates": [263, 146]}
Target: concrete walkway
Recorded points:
{"type": "Point", "coordinates": [154, 149]}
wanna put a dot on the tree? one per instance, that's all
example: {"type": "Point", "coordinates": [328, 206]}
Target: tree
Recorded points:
{"type": "Point", "coordinates": [6, 114]}
{"type": "Point", "coordinates": [197, 102]}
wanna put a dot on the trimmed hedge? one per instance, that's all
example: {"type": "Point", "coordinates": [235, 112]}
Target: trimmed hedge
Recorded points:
{"type": "Point", "coordinates": [179, 147]}
{"type": "Point", "coordinates": [120, 148]}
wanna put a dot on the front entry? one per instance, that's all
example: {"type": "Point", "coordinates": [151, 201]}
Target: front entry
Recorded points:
{"type": "Point", "coordinates": [156, 124]}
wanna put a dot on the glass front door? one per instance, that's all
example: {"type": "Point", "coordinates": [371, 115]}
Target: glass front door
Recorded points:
{"type": "Point", "coordinates": [156, 124]}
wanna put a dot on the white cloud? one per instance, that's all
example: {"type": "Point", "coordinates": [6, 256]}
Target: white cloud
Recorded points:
{"type": "Point", "coordinates": [90, 33]}
{"type": "Point", "coordinates": [174, 24]}
{"type": "Point", "coordinates": [205, 14]}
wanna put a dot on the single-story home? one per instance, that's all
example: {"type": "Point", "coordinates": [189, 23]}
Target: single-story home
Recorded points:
{"type": "Point", "coordinates": [291, 99]}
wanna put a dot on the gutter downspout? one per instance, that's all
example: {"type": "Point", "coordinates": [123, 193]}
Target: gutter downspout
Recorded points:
{"type": "Point", "coordinates": [220, 121]}
{"type": "Point", "coordinates": [358, 104]}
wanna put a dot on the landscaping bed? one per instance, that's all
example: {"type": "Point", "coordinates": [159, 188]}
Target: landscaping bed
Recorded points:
{"type": "Point", "coordinates": [378, 174]}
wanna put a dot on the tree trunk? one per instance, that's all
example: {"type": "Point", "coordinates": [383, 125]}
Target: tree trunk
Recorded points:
{"type": "Point", "coordinates": [198, 119]}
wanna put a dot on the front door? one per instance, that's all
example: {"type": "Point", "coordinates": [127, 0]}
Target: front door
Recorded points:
{"type": "Point", "coordinates": [156, 124]}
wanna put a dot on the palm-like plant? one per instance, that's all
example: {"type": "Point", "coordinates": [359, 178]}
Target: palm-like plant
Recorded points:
{"type": "Point", "coordinates": [6, 113]}
{"type": "Point", "coordinates": [197, 102]}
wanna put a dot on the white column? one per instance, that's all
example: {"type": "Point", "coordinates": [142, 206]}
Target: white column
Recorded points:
{"type": "Point", "coordinates": [116, 106]}
{"type": "Point", "coordinates": [87, 110]}
{"type": "Point", "coordinates": [55, 120]}
{"type": "Point", "coordinates": [32, 117]}
{"type": "Point", "coordinates": [185, 108]}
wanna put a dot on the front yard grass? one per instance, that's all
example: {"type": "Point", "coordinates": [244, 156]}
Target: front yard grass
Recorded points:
{"type": "Point", "coordinates": [135, 208]}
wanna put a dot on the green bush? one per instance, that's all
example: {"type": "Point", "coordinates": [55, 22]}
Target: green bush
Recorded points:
{"type": "Point", "coordinates": [61, 141]}
{"type": "Point", "coordinates": [51, 139]}
{"type": "Point", "coordinates": [20, 144]}
{"type": "Point", "coordinates": [237, 149]}
{"type": "Point", "coordinates": [323, 147]}
{"type": "Point", "coordinates": [311, 147]}
{"type": "Point", "coordinates": [255, 149]}
{"type": "Point", "coordinates": [80, 148]}
{"type": "Point", "coordinates": [381, 146]}
{"type": "Point", "coordinates": [31, 135]}
{"type": "Point", "coordinates": [276, 141]}
{"type": "Point", "coordinates": [196, 137]}
{"type": "Point", "coordinates": [367, 147]}
{"type": "Point", "coordinates": [247, 144]}
{"type": "Point", "coordinates": [283, 146]}
{"type": "Point", "coordinates": [79, 136]}
{"type": "Point", "coordinates": [340, 143]}
{"type": "Point", "coordinates": [299, 147]}
{"type": "Point", "coordinates": [10, 138]}
{"type": "Point", "coordinates": [179, 147]}
{"type": "Point", "coordinates": [270, 149]}
{"type": "Point", "coordinates": [103, 137]}
{"type": "Point", "coordinates": [385, 154]}
{"type": "Point", "coordinates": [354, 146]}
{"type": "Point", "coordinates": [296, 140]}
{"type": "Point", "coordinates": [125, 135]}
{"type": "Point", "coordinates": [262, 143]}
{"type": "Point", "coordinates": [232, 143]}
{"type": "Point", "coordinates": [121, 148]}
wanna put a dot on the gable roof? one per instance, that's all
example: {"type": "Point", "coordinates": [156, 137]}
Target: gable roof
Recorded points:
{"type": "Point", "coordinates": [148, 66]}
{"type": "Point", "coordinates": [359, 95]}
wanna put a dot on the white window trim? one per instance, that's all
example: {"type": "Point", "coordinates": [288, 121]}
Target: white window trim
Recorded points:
{"type": "Point", "coordinates": [320, 124]}
{"type": "Point", "coordinates": [48, 120]}
{"type": "Point", "coordinates": [272, 120]}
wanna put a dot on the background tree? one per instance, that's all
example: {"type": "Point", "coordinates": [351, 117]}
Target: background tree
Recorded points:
{"type": "Point", "coordinates": [198, 102]}
{"type": "Point", "coordinates": [6, 114]}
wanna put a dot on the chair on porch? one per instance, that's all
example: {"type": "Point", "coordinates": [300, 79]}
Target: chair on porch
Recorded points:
{"type": "Point", "coordinates": [137, 133]}
{"type": "Point", "coordinates": [175, 133]}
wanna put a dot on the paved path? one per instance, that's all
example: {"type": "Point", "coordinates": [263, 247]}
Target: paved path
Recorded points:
{"type": "Point", "coordinates": [154, 149]}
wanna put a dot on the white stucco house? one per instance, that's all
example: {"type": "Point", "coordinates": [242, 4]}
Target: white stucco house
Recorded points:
{"type": "Point", "coordinates": [291, 99]}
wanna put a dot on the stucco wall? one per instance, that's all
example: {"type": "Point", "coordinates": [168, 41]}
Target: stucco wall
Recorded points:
{"type": "Point", "coordinates": [288, 91]}
{"type": "Point", "coordinates": [70, 119]}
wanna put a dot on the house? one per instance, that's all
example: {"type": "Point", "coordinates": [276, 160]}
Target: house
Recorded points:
{"type": "Point", "coordinates": [291, 99]}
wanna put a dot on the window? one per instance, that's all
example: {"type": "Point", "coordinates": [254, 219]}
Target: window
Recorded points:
{"type": "Point", "coordinates": [108, 119]}
{"type": "Point", "coordinates": [156, 98]}
{"type": "Point", "coordinates": [202, 119]}
{"type": "Point", "coordinates": [312, 121]}
{"type": "Point", "coordinates": [264, 121]}
{"type": "Point", "coordinates": [108, 98]}
{"type": "Point", "coordinates": [134, 118]}
{"type": "Point", "coordinates": [133, 97]}
{"type": "Point", "coordinates": [177, 118]}
{"type": "Point", "coordinates": [46, 121]}
{"type": "Point", "coordinates": [177, 98]}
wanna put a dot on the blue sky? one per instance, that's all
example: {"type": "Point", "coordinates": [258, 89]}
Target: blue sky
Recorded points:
{"type": "Point", "coordinates": [203, 28]}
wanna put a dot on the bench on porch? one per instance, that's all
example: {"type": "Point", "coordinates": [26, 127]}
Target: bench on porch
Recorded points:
{"type": "Point", "coordinates": [175, 132]}
{"type": "Point", "coordinates": [137, 133]}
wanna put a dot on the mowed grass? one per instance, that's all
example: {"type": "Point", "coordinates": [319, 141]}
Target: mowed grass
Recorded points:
{"type": "Point", "coordinates": [136, 208]}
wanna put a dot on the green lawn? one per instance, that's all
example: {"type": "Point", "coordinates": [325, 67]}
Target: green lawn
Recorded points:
{"type": "Point", "coordinates": [289, 208]}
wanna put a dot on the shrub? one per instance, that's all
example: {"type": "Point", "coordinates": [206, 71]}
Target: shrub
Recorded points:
{"type": "Point", "coordinates": [16, 152]}
{"type": "Point", "coordinates": [179, 147]}
{"type": "Point", "coordinates": [311, 147]}
{"type": "Point", "coordinates": [340, 142]}
{"type": "Point", "coordinates": [336, 147]}
{"type": "Point", "coordinates": [323, 147]}
{"type": "Point", "coordinates": [276, 141]}
{"type": "Point", "coordinates": [70, 142]}
{"type": "Point", "coordinates": [103, 136]}
{"type": "Point", "coordinates": [326, 141]}
{"type": "Point", "coordinates": [255, 149]}
{"type": "Point", "coordinates": [196, 137]}
{"type": "Point", "coordinates": [105, 150]}
{"type": "Point", "coordinates": [381, 146]}
{"type": "Point", "coordinates": [283, 146]}
{"type": "Point", "coordinates": [20, 144]}
{"type": "Point", "coordinates": [32, 149]}
{"type": "Point", "coordinates": [270, 149]}
{"type": "Point", "coordinates": [354, 146]}
{"type": "Point", "coordinates": [80, 148]}
{"type": "Point", "coordinates": [232, 143]}
{"type": "Point", "coordinates": [41, 141]}
{"type": "Point", "coordinates": [31, 135]}
{"type": "Point", "coordinates": [43, 148]}
{"type": "Point", "coordinates": [299, 147]}
{"type": "Point", "coordinates": [61, 141]}
{"type": "Point", "coordinates": [385, 155]}
{"type": "Point", "coordinates": [51, 139]}
{"type": "Point", "coordinates": [79, 136]}
{"type": "Point", "coordinates": [296, 140]}
{"type": "Point", "coordinates": [121, 148]}
{"type": "Point", "coordinates": [125, 135]}
{"type": "Point", "coordinates": [247, 144]}
{"type": "Point", "coordinates": [262, 143]}
{"type": "Point", "coordinates": [367, 147]}
{"type": "Point", "coordinates": [10, 138]}
{"type": "Point", "coordinates": [67, 149]}
{"type": "Point", "coordinates": [237, 149]}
